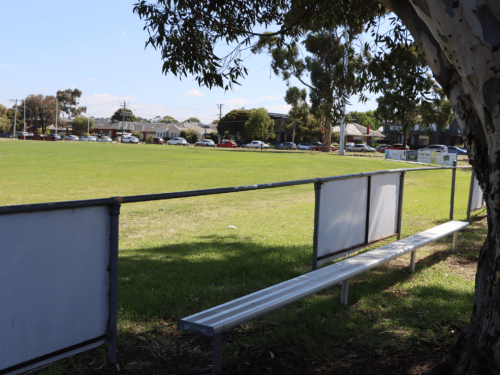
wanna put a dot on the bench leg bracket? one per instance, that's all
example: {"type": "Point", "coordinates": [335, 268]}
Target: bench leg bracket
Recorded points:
{"type": "Point", "coordinates": [216, 354]}
{"type": "Point", "coordinates": [412, 262]}
{"type": "Point", "coordinates": [345, 289]}
{"type": "Point", "coordinates": [455, 242]}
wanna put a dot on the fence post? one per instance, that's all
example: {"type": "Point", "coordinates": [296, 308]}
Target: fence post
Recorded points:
{"type": "Point", "coordinates": [471, 192]}
{"type": "Point", "coordinates": [400, 203]}
{"type": "Point", "coordinates": [453, 177]}
{"type": "Point", "coordinates": [317, 195]}
{"type": "Point", "coordinates": [113, 284]}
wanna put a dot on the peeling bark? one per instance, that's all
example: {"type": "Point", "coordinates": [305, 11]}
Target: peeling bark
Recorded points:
{"type": "Point", "coordinates": [461, 42]}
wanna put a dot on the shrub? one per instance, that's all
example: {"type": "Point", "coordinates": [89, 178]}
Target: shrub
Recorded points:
{"type": "Point", "coordinates": [137, 135]}
{"type": "Point", "coordinates": [149, 139]}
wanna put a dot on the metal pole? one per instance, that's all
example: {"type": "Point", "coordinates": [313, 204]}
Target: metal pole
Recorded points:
{"type": "Point", "coordinates": [342, 134]}
{"type": "Point", "coordinates": [400, 203]}
{"type": "Point", "coordinates": [111, 333]}
{"type": "Point", "coordinates": [88, 125]}
{"type": "Point", "coordinates": [317, 195]}
{"type": "Point", "coordinates": [471, 192]}
{"type": "Point", "coordinates": [15, 120]}
{"type": "Point", "coordinates": [56, 116]}
{"type": "Point", "coordinates": [453, 177]}
{"type": "Point", "coordinates": [24, 120]}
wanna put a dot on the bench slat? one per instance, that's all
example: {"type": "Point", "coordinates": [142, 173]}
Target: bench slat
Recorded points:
{"type": "Point", "coordinates": [231, 314]}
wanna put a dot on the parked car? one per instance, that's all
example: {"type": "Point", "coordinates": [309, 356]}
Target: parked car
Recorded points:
{"type": "Point", "coordinates": [23, 134]}
{"type": "Point", "coordinates": [304, 146]}
{"type": "Point", "coordinates": [70, 138]}
{"type": "Point", "coordinates": [348, 145]}
{"type": "Point", "coordinates": [205, 143]}
{"type": "Point", "coordinates": [53, 137]}
{"type": "Point", "coordinates": [130, 139]}
{"type": "Point", "coordinates": [381, 148]}
{"type": "Point", "coordinates": [158, 141]}
{"type": "Point", "coordinates": [456, 150]}
{"type": "Point", "coordinates": [88, 138]}
{"type": "Point", "coordinates": [105, 139]}
{"type": "Point", "coordinates": [435, 148]}
{"type": "Point", "coordinates": [230, 144]}
{"type": "Point", "coordinates": [398, 146]}
{"type": "Point", "coordinates": [361, 148]}
{"type": "Point", "coordinates": [256, 144]}
{"type": "Point", "coordinates": [318, 146]}
{"type": "Point", "coordinates": [177, 141]}
{"type": "Point", "coordinates": [286, 146]}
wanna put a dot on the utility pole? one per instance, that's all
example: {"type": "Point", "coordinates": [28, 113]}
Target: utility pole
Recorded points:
{"type": "Point", "coordinates": [56, 116]}
{"type": "Point", "coordinates": [15, 119]}
{"type": "Point", "coordinates": [220, 117]}
{"type": "Point", "coordinates": [123, 114]}
{"type": "Point", "coordinates": [24, 120]}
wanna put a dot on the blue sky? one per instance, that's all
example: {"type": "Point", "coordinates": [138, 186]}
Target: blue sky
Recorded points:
{"type": "Point", "coordinates": [99, 48]}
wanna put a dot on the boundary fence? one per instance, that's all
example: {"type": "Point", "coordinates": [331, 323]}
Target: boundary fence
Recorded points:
{"type": "Point", "coordinates": [50, 278]}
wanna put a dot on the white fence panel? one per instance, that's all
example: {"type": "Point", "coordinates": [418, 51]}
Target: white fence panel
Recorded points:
{"type": "Point", "coordinates": [54, 276]}
{"type": "Point", "coordinates": [477, 200]}
{"type": "Point", "coordinates": [384, 204]}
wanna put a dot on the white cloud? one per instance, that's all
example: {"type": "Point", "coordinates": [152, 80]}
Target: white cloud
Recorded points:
{"type": "Point", "coordinates": [92, 79]}
{"type": "Point", "coordinates": [270, 98]}
{"type": "Point", "coordinates": [194, 93]}
{"type": "Point", "coordinates": [235, 102]}
{"type": "Point", "coordinates": [124, 32]}
{"type": "Point", "coordinates": [8, 66]}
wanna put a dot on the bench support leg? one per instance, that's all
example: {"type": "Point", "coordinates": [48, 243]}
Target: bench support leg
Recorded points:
{"type": "Point", "coordinates": [455, 242]}
{"type": "Point", "coordinates": [412, 262]}
{"type": "Point", "coordinates": [216, 355]}
{"type": "Point", "coordinates": [345, 289]}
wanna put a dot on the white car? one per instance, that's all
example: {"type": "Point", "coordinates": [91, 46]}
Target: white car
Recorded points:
{"type": "Point", "coordinates": [361, 148]}
{"type": "Point", "coordinates": [130, 139]}
{"type": "Point", "coordinates": [257, 144]}
{"type": "Point", "coordinates": [88, 138]}
{"type": "Point", "coordinates": [70, 138]}
{"type": "Point", "coordinates": [304, 146]}
{"type": "Point", "coordinates": [435, 148]}
{"type": "Point", "coordinates": [205, 143]}
{"type": "Point", "coordinates": [177, 141]}
{"type": "Point", "coordinates": [105, 139]}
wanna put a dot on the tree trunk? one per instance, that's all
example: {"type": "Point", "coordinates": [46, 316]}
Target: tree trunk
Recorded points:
{"type": "Point", "coordinates": [327, 144]}
{"type": "Point", "coordinates": [461, 41]}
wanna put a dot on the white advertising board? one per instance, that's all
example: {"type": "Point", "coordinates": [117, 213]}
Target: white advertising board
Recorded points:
{"type": "Point", "coordinates": [431, 157]}
{"type": "Point", "coordinates": [54, 281]}
{"type": "Point", "coordinates": [343, 211]}
{"type": "Point", "coordinates": [477, 200]}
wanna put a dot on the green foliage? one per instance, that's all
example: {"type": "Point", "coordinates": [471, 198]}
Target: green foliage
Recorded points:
{"type": "Point", "coordinates": [186, 32]}
{"type": "Point", "coordinates": [80, 124]}
{"type": "Point", "coordinates": [213, 136]}
{"type": "Point", "coordinates": [40, 108]}
{"type": "Point", "coordinates": [11, 115]}
{"type": "Point", "coordinates": [149, 139]}
{"type": "Point", "coordinates": [364, 118]}
{"type": "Point", "coordinates": [137, 134]}
{"type": "Point", "coordinates": [304, 125]}
{"type": "Point", "coordinates": [5, 123]}
{"type": "Point", "coordinates": [436, 111]}
{"type": "Point", "coordinates": [68, 102]}
{"type": "Point", "coordinates": [190, 136]}
{"type": "Point", "coordinates": [215, 122]}
{"type": "Point", "coordinates": [124, 115]}
{"type": "Point", "coordinates": [233, 124]}
{"type": "Point", "coordinates": [192, 119]}
{"type": "Point", "coordinates": [169, 119]}
{"type": "Point", "coordinates": [259, 125]}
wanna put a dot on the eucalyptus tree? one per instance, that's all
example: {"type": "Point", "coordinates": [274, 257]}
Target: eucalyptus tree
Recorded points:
{"type": "Point", "coordinates": [458, 39]}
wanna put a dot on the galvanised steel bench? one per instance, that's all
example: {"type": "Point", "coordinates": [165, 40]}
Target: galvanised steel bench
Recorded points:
{"type": "Point", "coordinates": [214, 321]}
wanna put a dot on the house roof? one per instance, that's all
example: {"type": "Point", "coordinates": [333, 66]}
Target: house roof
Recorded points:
{"type": "Point", "coordinates": [357, 130]}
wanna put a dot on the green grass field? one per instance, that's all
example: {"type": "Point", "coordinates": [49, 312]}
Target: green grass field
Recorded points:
{"type": "Point", "coordinates": [180, 256]}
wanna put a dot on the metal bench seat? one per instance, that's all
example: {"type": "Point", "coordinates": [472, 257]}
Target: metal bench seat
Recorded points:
{"type": "Point", "coordinates": [214, 321]}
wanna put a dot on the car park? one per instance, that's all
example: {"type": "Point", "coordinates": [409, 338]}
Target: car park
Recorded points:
{"type": "Point", "coordinates": [435, 148]}
{"type": "Point", "coordinates": [158, 141]}
{"type": "Point", "coordinates": [304, 146]}
{"type": "Point", "coordinates": [105, 139]}
{"type": "Point", "coordinates": [205, 143]}
{"type": "Point", "coordinates": [70, 138]}
{"type": "Point", "coordinates": [88, 138]}
{"type": "Point", "coordinates": [348, 145]}
{"type": "Point", "coordinates": [318, 146]}
{"type": "Point", "coordinates": [286, 146]}
{"type": "Point", "coordinates": [456, 150]}
{"type": "Point", "coordinates": [177, 141]}
{"type": "Point", "coordinates": [398, 146]}
{"type": "Point", "coordinates": [256, 144]}
{"type": "Point", "coordinates": [230, 144]}
{"type": "Point", "coordinates": [130, 139]}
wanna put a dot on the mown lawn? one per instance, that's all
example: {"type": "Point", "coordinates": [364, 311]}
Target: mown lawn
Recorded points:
{"type": "Point", "coordinates": [178, 257]}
